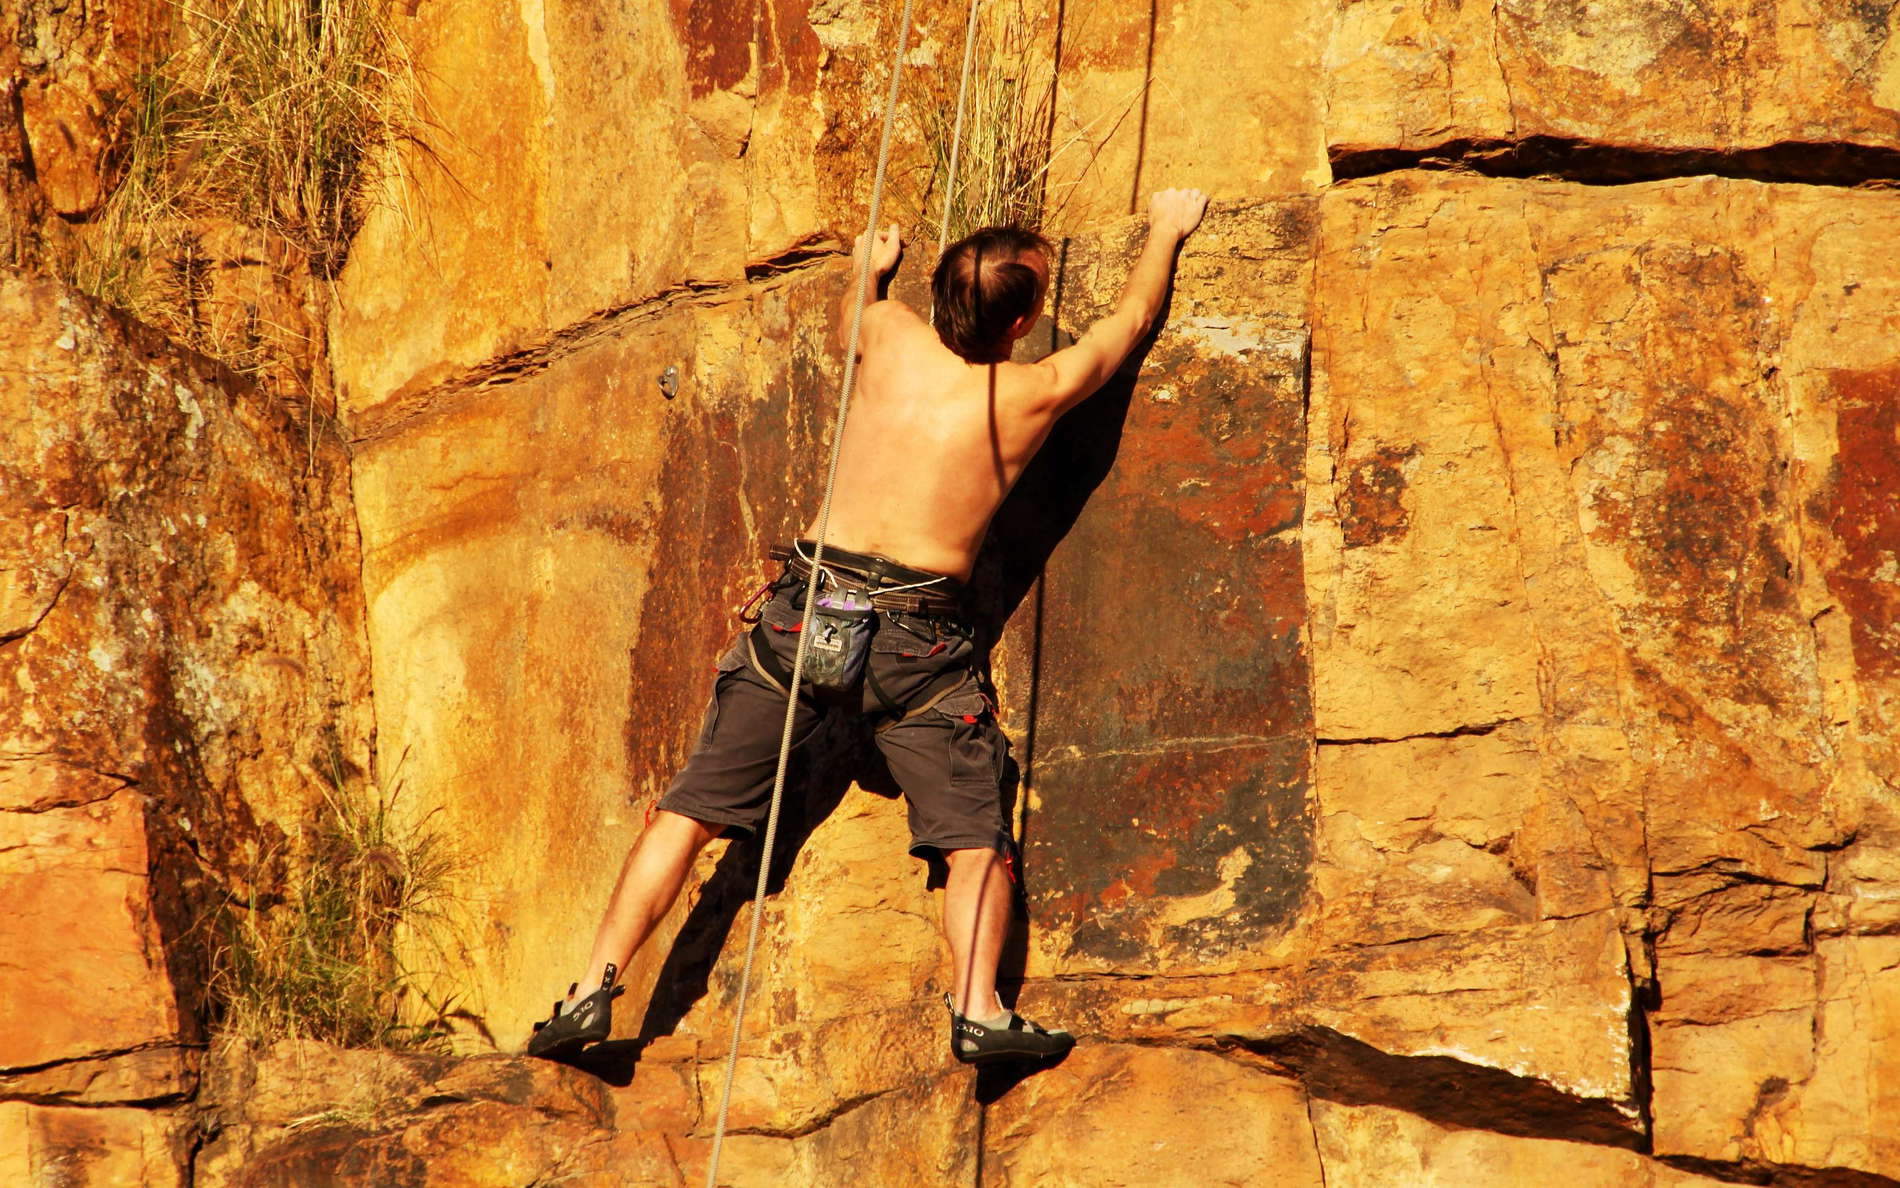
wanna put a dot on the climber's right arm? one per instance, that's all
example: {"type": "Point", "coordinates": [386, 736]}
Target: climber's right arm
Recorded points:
{"type": "Point", "coordinates": [882, 255]}
{"type": "Point", "coordinates": [1075, 372]}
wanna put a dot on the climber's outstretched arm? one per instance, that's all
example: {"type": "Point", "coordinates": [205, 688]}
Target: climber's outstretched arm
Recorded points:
{"type": "Point", "coordinates": [1077, 371]}
{"type": "Point", "coordinates": [885, 253]}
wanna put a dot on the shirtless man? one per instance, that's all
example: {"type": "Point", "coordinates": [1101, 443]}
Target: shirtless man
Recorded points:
{"type": "Point", "coordinates": [940, 427]}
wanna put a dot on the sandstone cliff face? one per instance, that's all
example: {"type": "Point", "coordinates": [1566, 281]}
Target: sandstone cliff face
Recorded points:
{"type": "Point", "coordinates": [1503, 737]}
{"type": "Point", "coordinates": [67, 70]}
{"type": "Point", "coordinates": [1495, 779]}
{"type": "Point", "coordinates": [182, 638]}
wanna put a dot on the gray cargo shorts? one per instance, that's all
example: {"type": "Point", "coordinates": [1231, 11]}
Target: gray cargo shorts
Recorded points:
{"type": "Point", "coordinates": [943, 746]}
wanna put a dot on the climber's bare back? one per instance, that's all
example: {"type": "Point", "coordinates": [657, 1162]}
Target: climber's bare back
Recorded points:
{"type": "Point", "coordinates": [932, 444]}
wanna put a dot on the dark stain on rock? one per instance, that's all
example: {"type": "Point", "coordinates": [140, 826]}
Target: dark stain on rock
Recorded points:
{"type": "Point", "coordinates": [1865, 515]}
{"type": "Point", "coordinates": [1293, 223]}
{"type": "Point", "coordinates": [1168, 726]}
{"type": "Point", "coordinates": [1372, 504]}
{"type": "Point", "coordinates": [1690, 488]}
{"type": "Point", "coordinates": [717, 37]}
{"type": "Point", "coordinates": [1874, 18]}
{"type": "Point", "coordinates": [700, 556]}
{"type": "Point", "coordinates": [789, 57]}
{"type": "Point", "coordinates": [1122, 838]}
{"type": "Point", "coordinates": [616, 525]}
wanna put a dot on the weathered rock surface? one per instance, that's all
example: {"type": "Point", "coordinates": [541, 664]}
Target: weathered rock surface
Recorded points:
{"type": "Point", "coordinates": [303, 1112]}
{"type": "Point", "coordinates": [1462, 715]}
{"type": "Point", "coordinates": [1489, 775]}
{"type": "Point", "coordinates": [1403, 855]}
{"type": "Point", "coordinates": [91, 1146]}
{"type": "Point", "coordinates": [65, 130]}
{"type": "Point", "coordinates": [1215, 706]}
{"type": "Point", "coordinates": [68, 71]}
{"type": "Point", "coordinates": [1642, 622]}
{"type": "Point", "coordinates": [182, 642]}
{"type": "Point", "coordinates": [731, 138]}
{"type": "Point", "coordinates": [1145, 100]}
{"type": "Point", "coordinates": [1113, 1114]}
{"type": "Point", "coordinates": [570, 497]}
{"type": "Point", "coordinates": [1791, 87]}
{"type": "Point", "coordinates": [74, 859]}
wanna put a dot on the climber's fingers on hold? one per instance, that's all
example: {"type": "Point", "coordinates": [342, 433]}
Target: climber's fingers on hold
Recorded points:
{"type": "Point", "coordinates": [1178, 211]}
{"type": "Point", "coordinates": [884, 250]}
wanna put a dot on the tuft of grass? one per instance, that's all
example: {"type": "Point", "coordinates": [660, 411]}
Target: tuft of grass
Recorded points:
{"type": "Point", "coordinates": [1006, 167]}
{"type": "Point", "coordinates": [1003, 165]}
{"type": "Point", "coordinates": [272, 115]}
{"type": "Point", "coordinates": [323, 961]}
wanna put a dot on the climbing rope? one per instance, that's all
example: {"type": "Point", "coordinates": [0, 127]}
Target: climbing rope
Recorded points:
{"type": "Point", "coordinates": [861, 276]}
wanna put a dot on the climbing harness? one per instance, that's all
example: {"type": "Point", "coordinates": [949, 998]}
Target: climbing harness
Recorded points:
{"type": "Point", "coordinates": [873, 573]}
{"type": "Point", "coordinates": [841, 627]}
{"type": "Point", "coordinates": [800, 658]}
{"type": "Point", "coordinates": [798, 550]}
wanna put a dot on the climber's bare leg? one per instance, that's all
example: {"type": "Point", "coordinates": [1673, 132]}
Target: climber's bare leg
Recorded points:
{"type": "Point", "coordinates": [650, 880]}
{"type": "Point", "coordinates": [976, 906]}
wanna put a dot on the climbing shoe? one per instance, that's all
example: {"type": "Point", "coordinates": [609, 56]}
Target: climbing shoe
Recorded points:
{"type": "Point", "coordinates": [575, 1024]}
{"type": "Point", "coordinates": [1016, 1039]}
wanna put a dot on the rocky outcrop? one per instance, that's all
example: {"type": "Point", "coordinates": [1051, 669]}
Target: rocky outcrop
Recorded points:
{"type": "Point", "coordinates": [67, 72]}
{"type": "Point", "coordinates": [106, 179]}
{"type": "Point", "coordinates": [303, 1113]}
{"type": "Point", "coordinates": [1782, 89]}
{"type": "Point", "coordinates": [1707, 747]}
{"type": "Point", "coordinates": [182, 638]}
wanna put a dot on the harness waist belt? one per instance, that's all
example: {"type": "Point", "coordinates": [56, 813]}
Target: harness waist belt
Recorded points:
{"type": "Point", "coordinates": [942, 596]}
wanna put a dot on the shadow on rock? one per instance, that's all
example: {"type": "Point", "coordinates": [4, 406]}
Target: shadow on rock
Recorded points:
{"type": "Point", "coordinates": [998, 1079]}
{"type": "Point", "coordinates": [612, 1061]}
{"type": "Point", "coordinates": [815, 783]}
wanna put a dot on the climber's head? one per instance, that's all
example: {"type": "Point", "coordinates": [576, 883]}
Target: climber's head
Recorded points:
{"type": "Point", "coordinates": [988, 290]}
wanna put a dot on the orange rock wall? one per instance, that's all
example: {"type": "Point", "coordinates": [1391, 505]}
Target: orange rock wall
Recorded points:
{"type": "Point", "coordinates": [1499, 731]}
{"type": "Point", "coordinates": [181, 630]}
{"type": "Point", "coordinates": [1492, 776]}
{"type": "Point", "coordinates": [1497, 738]}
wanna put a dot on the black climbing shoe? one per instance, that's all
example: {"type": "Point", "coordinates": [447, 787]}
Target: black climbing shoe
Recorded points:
{"type": "Point", "coordinates": [588, 1021]}
{"type": "Point", "coordinates": [1016, 1040]}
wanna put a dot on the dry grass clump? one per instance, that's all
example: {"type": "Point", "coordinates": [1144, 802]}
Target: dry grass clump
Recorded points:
{"type": "Point", "coordinates": [270, 115]}
{"type": "Point", "coordinates": [1007, 167]}
{"type": "Point", "coordinates": [1003, 164]}
{"type": "Point", "coordinates": [324, 961]}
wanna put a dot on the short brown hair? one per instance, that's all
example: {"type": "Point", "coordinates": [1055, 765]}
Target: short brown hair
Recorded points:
{"type": "Point", "coordinates": [981, 287]}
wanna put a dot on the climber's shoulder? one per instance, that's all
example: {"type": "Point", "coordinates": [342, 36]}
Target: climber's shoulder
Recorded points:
{"type": "Point", "coordinates": [895, 321]}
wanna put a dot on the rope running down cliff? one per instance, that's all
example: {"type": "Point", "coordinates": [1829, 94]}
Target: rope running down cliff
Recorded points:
{"type": "Point", "coordinates": [860, 276]}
